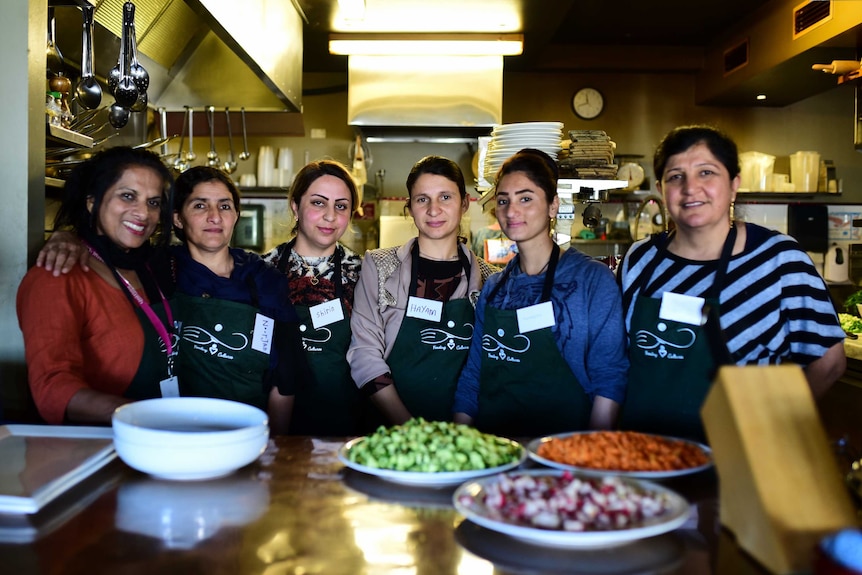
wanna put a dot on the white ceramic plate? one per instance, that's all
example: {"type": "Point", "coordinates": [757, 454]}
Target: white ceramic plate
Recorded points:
{"type": "Point", "coordinates": [533, 450]}
{"type": "Point", "coordinates": [425, 479]}
{"type": "Point", "coordinates": [527, 126]}
{"type": "Point", "coordinates": [478, 513]}
{"type": "Point", "coordinates": [525, 140]}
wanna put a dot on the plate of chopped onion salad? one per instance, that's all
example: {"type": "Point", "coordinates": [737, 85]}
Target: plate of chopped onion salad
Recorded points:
{"type": "Point", "coordinates": [431, 453]}
{"type": "Point", "coordinates": [562, 509]}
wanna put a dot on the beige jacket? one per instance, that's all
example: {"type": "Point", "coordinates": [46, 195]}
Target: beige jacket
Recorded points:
{"type": "Point", "coordinates": [380, 301]}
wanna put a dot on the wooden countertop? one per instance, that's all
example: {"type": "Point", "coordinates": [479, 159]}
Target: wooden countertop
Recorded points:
{"type": "Point", "coordinates": [298, 510]}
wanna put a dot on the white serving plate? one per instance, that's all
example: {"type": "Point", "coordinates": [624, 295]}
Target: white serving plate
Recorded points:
{"type": "Point", "coordinates": [478, 513]}
{"type": "Point", "coordinates": [424, 479]}
{"type": "Point", "coordinates": [527, 126]}
{"type": "Point", "coordinates": [533, 451]}
{"type": "Point", "coordinates": [40, 462]}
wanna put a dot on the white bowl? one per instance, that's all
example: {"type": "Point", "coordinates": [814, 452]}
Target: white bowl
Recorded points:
{"type": "Point", "coordinates": [188, 438]}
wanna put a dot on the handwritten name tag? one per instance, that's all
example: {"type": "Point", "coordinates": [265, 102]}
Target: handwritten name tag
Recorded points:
{"type": "Point", "coordinates": [422, 308]}
{"type": "Point", "coordinates": [682, 308]}
{"type": "Point", "coordinates": [326, 313]}
{"type": "Point", "coordinates": [264, 328]}
{"type": "Point", "coordinates": [535, 317]}
{"type": "Point", "coordinates": [170, 387]}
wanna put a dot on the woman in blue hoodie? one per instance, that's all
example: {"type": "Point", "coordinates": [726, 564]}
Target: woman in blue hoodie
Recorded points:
{"type": "Point", "coordinates": [548, 352]}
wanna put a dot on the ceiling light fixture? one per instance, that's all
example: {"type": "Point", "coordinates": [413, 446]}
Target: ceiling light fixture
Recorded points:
{"type": "Point", "coordinates": [417, 44]}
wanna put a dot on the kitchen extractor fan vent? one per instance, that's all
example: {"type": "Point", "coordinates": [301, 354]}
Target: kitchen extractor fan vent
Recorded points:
{"type": "Point", "coordinates": [736, 57]}
{"type": "Point", "coordinates": [809, 15]}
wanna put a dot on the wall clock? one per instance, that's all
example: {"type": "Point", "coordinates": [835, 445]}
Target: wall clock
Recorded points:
{"type": "Point", "coordinates": [588, 103]}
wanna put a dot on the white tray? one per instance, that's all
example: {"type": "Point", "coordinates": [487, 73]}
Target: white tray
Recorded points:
{"type": "Point", "coordinates": [40, 462]}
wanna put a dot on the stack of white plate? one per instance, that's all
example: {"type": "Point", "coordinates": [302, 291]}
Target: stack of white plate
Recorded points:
{"type": "Point", "coordinates": [507, 139]}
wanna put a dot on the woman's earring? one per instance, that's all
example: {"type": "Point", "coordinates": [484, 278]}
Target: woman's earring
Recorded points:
{"type": "Point", "coordinates": [731, 212]}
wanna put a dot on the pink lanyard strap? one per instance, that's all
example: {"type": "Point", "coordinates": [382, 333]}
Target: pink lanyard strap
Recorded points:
{"type": "Point", "coordinates": [148, 310]}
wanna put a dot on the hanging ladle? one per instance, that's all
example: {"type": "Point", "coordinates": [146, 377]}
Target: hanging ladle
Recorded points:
{"type": "Point", "coordinates": [126, 93]}
{"type": "Point", "coordinates": [181, 164]}
{"type": "Point", "coordinates": [139, 73]}
{"type": "Point", "coordinates": [118, 116]}
{"type": "Point", "coordinates": [212, 155]}
{"type": "Point", "coordinates": [54, 56]}
{"type": "Point", "coordinates": [191, 156]}
{"type": "Point", "coordinates": [244, 155]}
{"type": "Point", "coordinates": [88, 92]}
{"type": "Point", "coordinates": [230, 165]}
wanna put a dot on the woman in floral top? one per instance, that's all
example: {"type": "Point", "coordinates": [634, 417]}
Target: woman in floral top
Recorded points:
{"type": "Point", "coordinates": [322, 274]}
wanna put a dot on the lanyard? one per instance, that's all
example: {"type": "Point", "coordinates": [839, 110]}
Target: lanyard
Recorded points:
{"type": "Point", "coordinates": [147, 309]}
{"type": "Point", "coordinates": [336, 265]}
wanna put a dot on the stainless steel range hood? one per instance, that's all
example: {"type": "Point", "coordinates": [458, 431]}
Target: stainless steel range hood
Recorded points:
{"type": "Point", "coordinates": [425, 98]}
{"type": "Point", "coordinates": [201, 52]}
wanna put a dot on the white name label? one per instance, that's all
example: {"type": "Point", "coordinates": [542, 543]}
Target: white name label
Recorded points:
{"type": "Point", "coordinates": [326, 313]}
{"type": "Point", "coordinates": [535, 317]}
{"type": "Point", "coordinates": [682, 308]}
{"type": "Point", "coordinates": [422, 308]}
{"type": "Point", "coordinates": [170, 387]}
{"type": "Point", "coordinates": [264, 327]}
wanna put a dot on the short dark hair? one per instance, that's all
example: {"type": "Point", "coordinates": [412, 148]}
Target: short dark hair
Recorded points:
{"type": "Point", "coordinates": [93, 177]}
{"type": "Point", "coordinates": [438, 166]}
{"type": "Point", "coordinates": [311, 171]}
{"type": "Point", "coordinates": [188, 180]}
{"type": "Point", "coordinates": [538, 166]}
{"type": "Point", "coordinates": [682, 138]}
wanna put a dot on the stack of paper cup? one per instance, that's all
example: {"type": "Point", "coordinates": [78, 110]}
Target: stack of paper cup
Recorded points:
{"type": "Point", "coordinates": [265, 166]}
{"type": "Point", "coordinates": [284, 171]}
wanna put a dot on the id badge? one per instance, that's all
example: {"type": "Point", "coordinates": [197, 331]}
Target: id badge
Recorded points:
{"type": "Point", "coordinates": [535, 317]}
{"type": "Point", "coordinates": [682, 308]}
{"type": "Point", "coordinates": [264, 328]}
{"type": "Point", "coordinates": [426, 309]}
{"type": "Point", "coordinates": [170, 387]}
{"type": "Point", "coordinates": [326, 313]}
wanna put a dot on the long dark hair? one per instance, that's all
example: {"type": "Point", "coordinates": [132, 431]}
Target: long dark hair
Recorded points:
{"type": "Point", "coordinates": [438, 166]}
{"type": "Point", "coordinates": [682, 138]}
{"type": "Point", "coordinates": [93, 177]}
{"type": "Point", "coordinates": [185, 185]}
{"type": "Point", "coordinates": [310, 172]}
{"type": "Point", "coordinates": [538, 166]}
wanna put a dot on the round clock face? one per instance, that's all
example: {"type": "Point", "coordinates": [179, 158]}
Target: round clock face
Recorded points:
{"type": "Point", "coordinates": [633, 173]}
{"type": "Point", "coordinates": [588, 103]}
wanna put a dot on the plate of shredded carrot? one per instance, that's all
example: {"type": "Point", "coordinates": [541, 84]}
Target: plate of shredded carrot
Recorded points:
{"type": "Point", "coordinates": [624, 453]}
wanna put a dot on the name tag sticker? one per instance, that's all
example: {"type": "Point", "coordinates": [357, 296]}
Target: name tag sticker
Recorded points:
{"type": "Point", "coordinates": [170, 387]}
{"type": "Point", "coordinates": [264, 328]}
{"type": "Point", "coordinates": [326, 313]}
{"type": "Point", "coordinates": [682, 308]}
{"type": "Point", "coordinates": [422, 308]}
{"type": "Point", "coordinates": [535, 317]}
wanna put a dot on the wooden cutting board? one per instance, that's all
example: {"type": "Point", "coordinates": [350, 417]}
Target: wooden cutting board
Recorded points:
{"type": "Point", "coordinates": [780, 487]}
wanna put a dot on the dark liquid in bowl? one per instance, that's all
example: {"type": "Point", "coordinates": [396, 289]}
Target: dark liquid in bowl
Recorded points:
{"type": "Point", "coordinates": [198, 427]}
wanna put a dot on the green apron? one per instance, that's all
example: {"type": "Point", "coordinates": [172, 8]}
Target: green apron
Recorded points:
{"type": "Point", "coordinates": [526, 387]}
{"type": "Point", "coordinates": [216, 358]}
{"type": "Point", "coordinates": [427, 357]}
{"type": "Point", "coordinates": [672, 364]}
{"type": "Point", "coordinates": [154, 360]}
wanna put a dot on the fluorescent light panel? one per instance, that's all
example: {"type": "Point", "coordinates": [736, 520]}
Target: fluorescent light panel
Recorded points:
{"type": "Point", "coordinates": [418, 44]}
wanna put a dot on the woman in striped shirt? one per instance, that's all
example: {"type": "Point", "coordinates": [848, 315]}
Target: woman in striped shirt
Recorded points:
{"type": "Point", "coordinates": [757, 285]}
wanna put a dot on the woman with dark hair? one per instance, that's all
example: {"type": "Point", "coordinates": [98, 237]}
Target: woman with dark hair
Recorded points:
{"type": "Point", "coordinates": [238, 325]}
{"type": "Point", "coordinates": [548, 351]}
{"type": "Point", "coordinates": [322, 274]}
{"type": "Point", "coordinates": [413, 314]}
{"type": "Point", "coordinates": [95, 341]}
{"type": "Point", "coordinates": [765, 301]}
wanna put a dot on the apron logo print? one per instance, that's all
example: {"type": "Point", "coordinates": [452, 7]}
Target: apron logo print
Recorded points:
{"type": "Point", "coordinates": [440, 339]}
{"type": "Point", "coordinates": [204, 341]}
{"type": "Point", "coordinates": [497, 349]}
{"type": "Point", "coordinates": [314, 344]}
{"type": "Point", "coordinates": [655, 346]}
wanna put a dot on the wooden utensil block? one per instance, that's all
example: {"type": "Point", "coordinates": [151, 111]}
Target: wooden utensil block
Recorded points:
{"type": "Point", "coordinates": [780, 487]}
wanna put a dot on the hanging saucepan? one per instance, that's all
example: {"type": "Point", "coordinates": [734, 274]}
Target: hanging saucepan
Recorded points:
{"type": "Point", "coordinates": [88, 92]}
{"type": "Point", "coordinates": [126, 93]}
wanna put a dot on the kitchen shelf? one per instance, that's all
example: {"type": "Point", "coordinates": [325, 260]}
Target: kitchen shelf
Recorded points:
{"type": "Point", "coordinates": [61, 135]}
{"type": "Point", "coordinates": [54, 182]}
{"type": "Point", "coordinates": [263, 192]}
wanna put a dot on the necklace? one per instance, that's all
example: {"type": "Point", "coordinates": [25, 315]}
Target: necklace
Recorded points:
{"type": "Point", "coordinates": [313, 271]}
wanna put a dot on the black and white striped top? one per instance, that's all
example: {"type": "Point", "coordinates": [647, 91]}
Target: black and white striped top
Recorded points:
{"type": "Point", "coordinates": [774, 306]}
